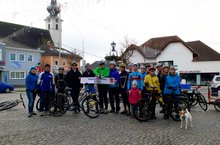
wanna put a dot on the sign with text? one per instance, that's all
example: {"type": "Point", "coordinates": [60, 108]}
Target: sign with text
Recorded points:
{"type": "Point", "coordinates": [94, 80]}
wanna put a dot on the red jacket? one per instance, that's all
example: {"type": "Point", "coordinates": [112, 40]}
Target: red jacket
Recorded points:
{"type": "Point", "coordinates": [134, 95]}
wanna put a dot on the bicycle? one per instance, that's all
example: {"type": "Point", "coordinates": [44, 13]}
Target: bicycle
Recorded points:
{"type": "Point", "coordinates": [197, 98]}
{"type": "Point", "coordinates": [10, 104]}
{"type": "Point", "coordinates": [213, 100]}
{"type": "Point", "coordinates": [142, 108]}
{"type": "Point", "coordinates": [63, 103]}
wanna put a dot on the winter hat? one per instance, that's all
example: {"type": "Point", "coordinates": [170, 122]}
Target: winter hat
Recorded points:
{"type": "Point", "coordinates": [33, 68]}
{"type": "Point", "coordinates": [134, 83]}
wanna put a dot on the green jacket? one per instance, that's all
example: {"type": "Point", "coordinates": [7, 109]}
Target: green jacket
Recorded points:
{"type": "Point", "coordinates": [102, 72]}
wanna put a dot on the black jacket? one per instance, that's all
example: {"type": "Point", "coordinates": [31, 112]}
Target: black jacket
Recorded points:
{"type": "Point", "coordinates": [89, 74]}
{"type": "Point", "coordinates": [73, 79]}
{"type": "Point", "coordinates": [60, 82]}
{"type": "Point", "coordinates": [123, 79]}
{"type": "Point", "coordinates": [162, 79]}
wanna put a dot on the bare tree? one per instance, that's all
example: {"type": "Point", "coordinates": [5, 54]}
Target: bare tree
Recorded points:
{"type": "Point", "coordinates": [125, 43]}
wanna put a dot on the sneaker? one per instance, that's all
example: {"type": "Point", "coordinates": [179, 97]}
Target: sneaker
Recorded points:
{"type": "Point", "coordinates": [128, 113]}
{"type": "Point", "coordinates": [41, 113]}
{"type": "Point", "coordinates": [105, 111]}
{"type": "Point", "coordinates": [112, 111]}
{"type": "Point", "coordinates": [101, 111]}
{"type": "Point", "coordinates": [33, 113]}
{"type": "Point", "coordinates": [153, 117]}
{"type": "Point", "coordinates": [116, 112]}
{"type": "Point", "coordinates": [124, 112]}
{"type": "Point", "coordinates": [29, 115]}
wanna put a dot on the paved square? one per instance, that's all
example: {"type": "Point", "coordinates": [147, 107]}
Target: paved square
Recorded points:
{"type": "Point", "coordinates": [17, 129]}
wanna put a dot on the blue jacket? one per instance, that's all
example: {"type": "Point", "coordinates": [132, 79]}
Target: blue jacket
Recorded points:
{"type": "Point", "coordinates": [31, 82]}
{"type": "Point", "coordinates": [137, 76]}
{"type": "Point", "coordinates": [114, 74]}
{"type": "Point", "coordinates": [46, 81]}
{"type": "Point", "coordinates": [174, 82]}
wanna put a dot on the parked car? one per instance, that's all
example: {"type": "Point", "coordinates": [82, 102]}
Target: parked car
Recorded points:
{"type": "Point", "coordinates": [216, 82]}
{"type": "Point", "coordinates": [6, 88]}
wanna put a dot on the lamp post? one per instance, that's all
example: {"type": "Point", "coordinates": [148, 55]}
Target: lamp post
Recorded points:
{"type": "Point", "coordinates": [113, 44]}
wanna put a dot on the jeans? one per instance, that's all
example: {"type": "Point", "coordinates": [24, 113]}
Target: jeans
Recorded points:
{"type": "Point", "coordinates": [114, 97]}
{"type": "Point", "coordinates": [132, 109]}
{"type": "Point", "coordinates": [45, 101]}
{"type": "Point", "coordinates": [102, 89]}
{"type": "Point", "coordinates": [31, 98]}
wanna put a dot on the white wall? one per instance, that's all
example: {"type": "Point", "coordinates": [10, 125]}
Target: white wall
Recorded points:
{"type": "Point", "coordinates": [183, 57]}
{"type": "Point", "coordinates": [138, 58]}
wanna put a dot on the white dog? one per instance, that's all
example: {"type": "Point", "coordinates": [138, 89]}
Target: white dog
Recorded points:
{"type": "Point", "coordinates": [187, 117]}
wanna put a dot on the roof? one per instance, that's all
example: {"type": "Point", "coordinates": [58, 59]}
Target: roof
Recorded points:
{"type": "Point", "coordinates": [55, 52]}
{"type": "Point", "coordinates": [205, 53]}
{"type": "Point", "coordinates": [15, 35]}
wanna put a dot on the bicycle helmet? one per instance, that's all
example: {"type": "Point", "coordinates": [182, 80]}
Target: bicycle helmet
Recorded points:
{"type": "Point", "coordinates": [61, 68]}
{"type": "Point", "coordinates": [74, 63]}
{"type": "Point", "coordinates": [152, 68]}
{"type": "Point", "coordinates": [112, 62]}
{"type": "Point", "coordinates": [102, 62]}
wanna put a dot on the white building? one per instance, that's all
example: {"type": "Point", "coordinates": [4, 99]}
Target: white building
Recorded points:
{"type": "Point", "coordinates": [195, 61]}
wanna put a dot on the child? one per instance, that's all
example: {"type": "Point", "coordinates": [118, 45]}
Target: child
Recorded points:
{"type": "Point", "coordinates": [134, 96]}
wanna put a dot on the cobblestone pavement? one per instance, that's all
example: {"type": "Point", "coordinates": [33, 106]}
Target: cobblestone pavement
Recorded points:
{"type": "Point", "coordinates": [17, 129]}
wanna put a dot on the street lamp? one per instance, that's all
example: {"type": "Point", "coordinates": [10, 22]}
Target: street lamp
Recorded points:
{"type": "Point", "coordinates": [113, 44]}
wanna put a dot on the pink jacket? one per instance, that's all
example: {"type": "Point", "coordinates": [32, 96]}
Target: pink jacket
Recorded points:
{"type": "Point", "coordinates": [134, 95]}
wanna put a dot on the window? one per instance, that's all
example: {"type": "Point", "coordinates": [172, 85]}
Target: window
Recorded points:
{"type": "Point", "coordinates": [64, 63]}
{"type": "Point", "coordinates": [168, 63]}
{"type": "Point", "coordinates": [0, 54]}
{"type": "Point", "coordinates": [56, 62]}
{"type": "Point", "coordinates": [217, 79]}
{"type": "Point", "coordinates": [21, 57]}
{"type": "Point", "coordinates": [29, 57]}
{"type": "Point", "coordinates": [17, 75]}
{"type": "Point", "coordinates": [56, 26]}
{"type": "Point", "coordinates": [49, 26]}
{"type": "Point", "coordinates": [12, 56]}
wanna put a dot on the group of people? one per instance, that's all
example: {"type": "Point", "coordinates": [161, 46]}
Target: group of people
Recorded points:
{"type": "Point", "coordinates": [129, 83]}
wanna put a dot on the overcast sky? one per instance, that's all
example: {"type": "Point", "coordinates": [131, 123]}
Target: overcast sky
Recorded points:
{"type": "Point", "coordinates": [99, 22]}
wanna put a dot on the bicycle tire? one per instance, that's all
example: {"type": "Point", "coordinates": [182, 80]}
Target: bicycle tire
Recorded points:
{"type": "Point", "coordinates": [217, 105]}
{"type": "Point", "coordinates": [58, 108]}
{"type": "Point", "coordinates": [202, 102]}
{"type": "Point", "coordinates": [174, 112]}
{"type": "Point", "coordinates": [90, 107]}
{"type": "Point", "coordinates": [38, 105]}
{"type": "Point", "coordinates": [7, 105]}
{"type": "Point", "coordinates": [194, 101]}
{"type": "Point", "coordinates": [142, 110]}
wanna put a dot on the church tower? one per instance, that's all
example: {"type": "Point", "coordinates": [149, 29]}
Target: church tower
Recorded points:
{"type": "Point", "coordinates": [54, 23]}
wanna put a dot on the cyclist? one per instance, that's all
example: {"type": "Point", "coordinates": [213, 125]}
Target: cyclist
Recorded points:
{"type": "Point", "coordinates": [162, 79]}
{"type": "Point", "coordinates": [147, 68]}
{"type": "Point", "coordinates": [89, 73]}
{"type": "Point", "coordinates": [73, 81]}
{"type": "Point", "coordinates": [151, 80]}
{"type": "Point", "coordinates": [123, 89]}
{"type": "Point", "coordinates": [102, 72]}
{"type": "Point", "coordinates": [31, 89]}
{"type": "Point", "coordinates": [60, 81]}
{"type": "Point", "coordinates": [172, 85]}
{"type": "Point", "coordinates": [46, 85]}
{"type": "Point", "coordinates": [130, 68]}
{"type": "Point", "coordinates": [135, 76]}
{"type": "Point", "coordinates": [158, 69]}
{"type": "Point", "coordinates": [114, 89]}
{"type": "Point", "coordinates": [143, 74]}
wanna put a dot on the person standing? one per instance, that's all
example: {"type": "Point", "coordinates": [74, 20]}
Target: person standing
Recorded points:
{"type": "Point", "coordinates": [46, 84]}
{"type": "Point", "coordinates": [134, 97]}
{"type": "Point", "coordinates": [60, 81]}
{"type": "Point", "coordinates": [73, 81]}
{"type": "Point", "coordinates": [31, 89]}
{"type": "Point", "coordinates": [102, 72]}
{"type": "Point", "coordinates": [123, 89]}
{"type": "Point", "coordinates": [89, 73]}
{"type": "Point", "coordinates": [114, 89]}
{"type": "Point", "coordinates": [130, 68]}
{"type": "Point", "coordinates": [135, 76]}
{"type": "Point", "coordinates": [151, 80]}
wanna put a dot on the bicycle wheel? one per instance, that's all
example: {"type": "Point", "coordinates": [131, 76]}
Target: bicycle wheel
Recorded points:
{"type": "Point", "coordinates": [202, 102]}
{"type": "Point", "coordinates": [142, 110]}
{"type": "Point", "coordinates": [38, 105]}
{"type": "Point", "coordinates": [59, 106]}
{"type": "Point", "coordinates": [217, 105]}
{"type": "Point", "coordinates": [90, 107]}
{"type": "Point", "coordinates": [175, 107]}
{"type": "Point", "coordinates": [193, 100]}
{"type": "Point", "coordinates": [7, 105]}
